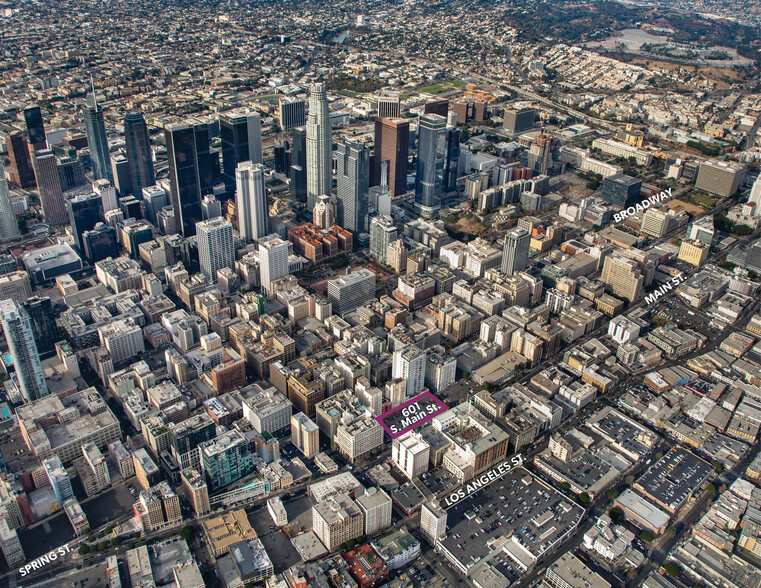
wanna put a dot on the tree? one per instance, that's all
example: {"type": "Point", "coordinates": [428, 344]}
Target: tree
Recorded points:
{"type": "Point", "coordinates": [565, 486]}
{"type": "Point", "coordinates": [741, 230]}
{"type": "Point", "coordinates": [187, 533]}
{"type": "Point", "coordinates": [612, 493]}
{"type": "Point", "coordinates": [671, 531]}
{"type": "Point", "coordinates": [584, 498]}
{"type": "Point", "coordinates": [616, 514]}
{"type": "Point", "coordinates": [115, 542]}
{"type": "Point", "coordinates": [646, 536]}
{"type": "Point", "coordinates": [83, 549]}
{"type": "Point", "coordinates": [672, 569]}
{"type": "Point", "coordinates": [102, 545]}
{"type": "Point", "coordinates": [710, 488]}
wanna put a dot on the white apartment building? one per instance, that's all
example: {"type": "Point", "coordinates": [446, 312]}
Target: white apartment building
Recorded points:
{"type": "Point", "coordinates": [123, 339]}
{"type": "Point", "coordinates": [410, 453]}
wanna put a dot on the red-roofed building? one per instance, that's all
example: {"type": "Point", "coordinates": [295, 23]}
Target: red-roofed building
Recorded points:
{"type": "Point", "coordinates": [366, 567]}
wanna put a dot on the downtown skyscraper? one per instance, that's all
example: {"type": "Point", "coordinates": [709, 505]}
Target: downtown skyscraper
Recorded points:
{"type": "Point", "coordinates": [49, 185]}
{"type": "Point", "coordinates": [241, 134]}
{"type": "Point", "coordinates": [138, 146]}
{"type": "Point", "coordinates": [392, 136]}
{"type": "Point", "coordinates": [251, 201]}
{"type": "Point", "coordinates": [35, 128]}
{"type": "Point", "coordinates": [216, 248]}
{"type": "Point", "coordinates": [319, 146]}
{"type": "Point", "coordinates": [97, 140]}
{"type": "Point", "coordinates": [298, 171]}
{"type": "Point", "coordinates": [431, 161]}
{"type": "Point", "coordinates": [8, 225]}
{"type": "Point", "coordinates": [515, 251]}
{"type": "Point", "coordinates": [19, 335]}
{"type": "Point", "coordinates": [353, 173]}
{"type": "Point", "coordinates": [184, 182]}
{"type": "Point", "coordinates": [22, 173]}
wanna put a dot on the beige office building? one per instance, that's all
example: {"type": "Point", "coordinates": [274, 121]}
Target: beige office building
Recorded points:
{"type": "Point", "coordinates": [305, 434]}
{"type": "Point", "coordinates": [694, 252]}
{"type": "Point", "coordinates": [336, 520]}
{"type": "Point", "coordinates": [623, 277]}
{"type": "Point", "coordinates": [196, 491]}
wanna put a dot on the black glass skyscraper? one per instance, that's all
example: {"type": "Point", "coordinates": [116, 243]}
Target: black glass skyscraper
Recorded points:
{"type": "Point", "coordinates": [298, 170]}
{"type": "Point", "coordinates": [241, 135]}
{"type": "Point", "coordinates": [97, 140]}
{"type": "Point", "coordinates": [184, 179]}
{"type": "Point", "coordinates": [453, 159]}
{"type": "Point", "coordinates": [100, 243]}
{"type": "Point", "coordinates": [85, 212]}
{"type": "Point", "coordinates": [35, 129]}
{"type": "Point", "coordinates": [46, 333]}
{"type": "Point", "coordinates": [138, 146]}
{"type": "Point", "coordinates": [431, 160]}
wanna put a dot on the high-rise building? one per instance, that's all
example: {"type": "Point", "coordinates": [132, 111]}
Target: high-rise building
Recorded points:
{"type": "Point", "coordinates": [10, 545]}
{"type": "Point", "coordinates": [215, 246]}
{"type": "Point", "coordinates": [210, 207]}
{"type": "Point", "coordinates": [540, 155]}
{"type": "Point", "coordinates": [353, 174]}
{"type": "Point", "coordinates": [621, 190]}
{"type": "Point", "coordinates": [336, 520]}
{"type": "Point", "coordinates": [305, 434]}
{"type": "Point", "coordinates": [396, 256]}
{"type": "Point", "coordinates": [19, 335]}
{"type": "Point", "coordinates": [392, 136]}
{"type": "Point", "coordinates": [432, 154]}
{"type": "Point", "coordinates": [121, 173]}
{"type": "Point", "coordinates": [22, 173]}
{"type": "Point", "coordinates": [185, 185]}
{"type": "Point", "coordinates": [99, 243]}
{"type": "Point", "coordinates": [515, 251]}
{"type": "Point", "coordinates": [622, 277]}
{"type": "Point", "coordinates": [722, 178]}
{"type": "Point", "coordinates": [273, 260]}
{"type": "Point", "coordinates": [138, 146]}
{"type": "Point", "coordinates": [207, 158]}
{"type": "Point", "coordinates": [225, 459]}
{"type": "Point", "coordinates": [251, 201]}
{"type": "Point", "coordinates": [154, 199]}
{"type": "Point", "coordinates": [410, 453]}
{"type": "Point", "coordinates": [8, 225]}
{"type": "Point", "coordinates": [453, 154]}
{"type": "Point", "coordinates": [44, 328]}
{"type": "Point", "coordinates": [755, 196]}
{"type": "Point", "coordinates": [517, 121]}
{"type": "Point", "coordinates": [376, 507]}
{"type": "Point", "coordinates": [107, 193]}
{"type": "Point", "coordinates": [439, 107]}
{"type": "Point", "coordinates": [324, 213]}
{"type": "Point", "coordinates": [351, 290]}
{"type": "Point", "coordinates": [319, 146]}
{"type": "Point", "coordinates": [98, 465]}
{"type": "Point", "coordinates": [292, 112]}
{"type": "Point", "coordinates": [297, 173]}
{"type": "Point", "coordinates": [58, 478]}
{"type": "Point", "coordinates": [241, 134]}
{"type": "Point", "coordinates": [433, 522]}
{"type": "Point", "coordinates": [49, 186]}
{"type": "Point", "coordinates": [158, 507]}
{"type": "Point", "coordinates": [409, 364]}
{"type": "Point", "coordinates": [382, 234]}
{"type": "Point", "coordinates": [97, 140]}
{"type": "Point", "coordinates": [196, 491]}
{"type": "Point", "coordinates": [85, 211]}
{"type": "Point", "coordinates": [35, 128]}
{"type": "Point", "coordinates": [389, 105]}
